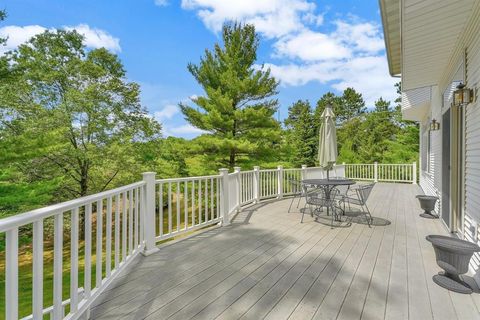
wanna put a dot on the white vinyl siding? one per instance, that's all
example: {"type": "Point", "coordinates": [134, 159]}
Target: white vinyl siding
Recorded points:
{"type": "Point", "coordinates": [431, 152]}
{"type": "Point", "coordinates": [472, 144]}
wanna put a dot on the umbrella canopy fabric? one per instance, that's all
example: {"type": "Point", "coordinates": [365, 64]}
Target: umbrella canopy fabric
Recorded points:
{"type": "Point", "coordinates": [327, 149]}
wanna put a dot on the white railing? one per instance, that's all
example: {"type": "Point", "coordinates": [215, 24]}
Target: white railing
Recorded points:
{"type": "Point", "coordinates": [185, 204]}
{"type": "Point", "coordinates": [403, 173]}
{"type": "Point", "coordinates": [112, 215]}
{"type": "Point", "coordinates": [118, 224]}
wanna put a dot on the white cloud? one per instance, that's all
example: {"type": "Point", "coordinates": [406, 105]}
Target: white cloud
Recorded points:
{"type": "Point", "coordinates": [17, 35]}
{"type": "Point", "coordinates": [368, 75]}
{"type": "Point", "coordinates": [166, 113]}
{"type": "Point", "coordinates": [97, 38]}
{"type": "Point", "coordinates": [161, 3]}
{"type": "Point", "coordinates": [94, 38]}
{"type": "Point", "coordinates": [272, 18]}
{"type": "Point", "coordinates": [311, 46]}
{"type": "Point", "coordinates": [362, 37]}
{"type": "Point", "coordinates": [344, 52]}
{"type": "Point", "coordinates": [183, 130]}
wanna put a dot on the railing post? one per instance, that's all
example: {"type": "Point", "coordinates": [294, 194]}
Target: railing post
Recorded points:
{"type": "Point", "coordinates": [414, 172]}
{"type": "Point", "coordinates": [238, 182]}
{"type": "Point", "coordinates": [280, 182]}
{"type": "Point", "coordinates": [375, 171]}
{"type": "Point", "coordinates": [224, 203]}
{"type": "Point", "coordinates": [149, 214]}
{"type": "Point", "coordinates": [304, 172]}
{"type": "Point", "coordinates": [256, 183]}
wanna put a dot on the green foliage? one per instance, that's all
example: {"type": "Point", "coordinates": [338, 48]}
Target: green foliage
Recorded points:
{"type": "Point", "coordinates": [70, 114]}
{"type": "Point", "coordinates": [346, 107]}
{"type": "Point", "coordinates": [363, 136]}
{"type": "Point", "coordinates": [301, 134]}
{"type": "Point", "coordinates": [237, 108]}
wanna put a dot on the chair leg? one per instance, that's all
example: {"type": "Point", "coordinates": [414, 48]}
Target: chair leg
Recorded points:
{"type": "Point", "coordinates": [299, 198]}
{"type": "Point", "coordinates": [293, 199]}
{"type": "Point", "coordinates": [303, 211]}
{"type": "Point", "coordinates": [368, 216]}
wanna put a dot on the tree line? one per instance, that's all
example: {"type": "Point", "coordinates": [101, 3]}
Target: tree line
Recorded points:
{"type": "Point", "coordinates": [72, 124]}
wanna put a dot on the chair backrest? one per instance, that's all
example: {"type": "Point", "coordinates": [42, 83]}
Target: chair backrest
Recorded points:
{"type": "Point", "coordinates": [296, 185]}
{"type": "Point", "coordinates": [364, 192]}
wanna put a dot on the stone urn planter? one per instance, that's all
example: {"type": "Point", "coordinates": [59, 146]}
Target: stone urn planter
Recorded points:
{"type": "Point", "coordinates": [427, 203]}
{"type": "Point", "coordinates": [453, 256]}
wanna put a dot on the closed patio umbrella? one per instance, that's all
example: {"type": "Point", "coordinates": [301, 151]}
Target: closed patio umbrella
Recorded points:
{"type": "Point", "coordinates": [327, 149]}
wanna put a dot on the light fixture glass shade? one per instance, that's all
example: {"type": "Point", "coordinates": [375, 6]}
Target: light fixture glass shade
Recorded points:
{"type": "Point", "coordinates": [462, 95]}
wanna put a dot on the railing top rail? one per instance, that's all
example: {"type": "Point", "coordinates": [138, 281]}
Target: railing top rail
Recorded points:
{"type": "Point", "coordinates": [187, 178]}
{"type": "Point", "coordinates": [45, 212]}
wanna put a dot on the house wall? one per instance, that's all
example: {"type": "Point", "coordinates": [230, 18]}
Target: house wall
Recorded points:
{"type": "Point", "coordinates": [472, 140]}
{"type": "Point", "coordinates": [430, 180]}
{"type": "Point", "coordinates": [464, 66]}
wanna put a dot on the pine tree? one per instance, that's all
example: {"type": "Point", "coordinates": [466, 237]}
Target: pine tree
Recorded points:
{"type": "Point", "coordinates": [237, 108]}
{"type": "Point", "coordinates": [301, 134]}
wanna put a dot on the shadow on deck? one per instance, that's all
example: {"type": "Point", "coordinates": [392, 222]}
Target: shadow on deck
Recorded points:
{"type": "Point", "coordinates": [267, 264]}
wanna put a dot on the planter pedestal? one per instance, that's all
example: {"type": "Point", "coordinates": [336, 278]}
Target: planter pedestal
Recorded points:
{"type": "Point", "coordinates": [453, 256]}
{"type": "Point", "coordinates": [427, 203]}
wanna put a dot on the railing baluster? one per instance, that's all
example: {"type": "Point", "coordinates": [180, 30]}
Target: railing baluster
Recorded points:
{"type": "Point", "coordinates": [142, 216]}
{"type": "Point", "coordinates": [211, 199]}
{"type": "Point", "coordinates": [169, 201]}
{"type": "Point", "coordinates": [11, 274]}
{"type": "Point", "coordinates": [37, 306]}
{"type": "Point", "coordinates": [73, 260]}
{"type": "Point", "coordinates": [137, 216]}
{"type": "Point", "coordinates": [130, 222]}
{"type": "Point", "coordinates": [99, 253]}
{"type": "Point", "coordinates": [117, 230]}
{"type": "Point", "coordinates": [160, 208]}
{"type": "Point", "coordinates": [218, 198]}
{"type": "Point", "coordinates": [88, 250]}
{"type": "Point", "coordinates": [178, 206]}
{"type": "Point", "coordinates": [206, 200]}
{"type": "Point", "coordinates": [124, 226]}
{"type": "Point", "coordinates": [108, 240]}
{"type": "Point", "coordinates": [200, 220]}
{"type": "Point", "coordinates": [57, 266]}
{"type": "Point", "coordinates": [193, 203]}
{"type": "Point", "coordinates": [185, 203]}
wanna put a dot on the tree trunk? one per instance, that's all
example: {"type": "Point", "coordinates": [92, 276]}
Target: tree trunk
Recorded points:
{"type": "Point", "coordinates": [231, 162]}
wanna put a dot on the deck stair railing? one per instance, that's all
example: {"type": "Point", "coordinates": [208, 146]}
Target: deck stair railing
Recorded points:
{"type": "Point", "coordinates": [96, 237]}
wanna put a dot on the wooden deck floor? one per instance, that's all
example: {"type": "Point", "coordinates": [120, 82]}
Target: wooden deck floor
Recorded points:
{"type": "Point", "coordinates": [267, 265]}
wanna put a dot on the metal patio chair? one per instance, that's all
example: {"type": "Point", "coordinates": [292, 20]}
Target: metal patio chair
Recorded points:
{"type": "Point", "coordinates": [318, 201]}
{"type": "Point", "coordinates": [299, 190]}
{"type": "Point", "coordinates": [360, 198]}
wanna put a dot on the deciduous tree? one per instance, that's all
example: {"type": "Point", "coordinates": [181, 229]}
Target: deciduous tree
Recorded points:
{"type": "Point", "coordinates": [71, 113]}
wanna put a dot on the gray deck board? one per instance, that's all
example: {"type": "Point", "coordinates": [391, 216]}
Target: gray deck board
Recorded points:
{"type": "Point", "coordinates": [268, 265]}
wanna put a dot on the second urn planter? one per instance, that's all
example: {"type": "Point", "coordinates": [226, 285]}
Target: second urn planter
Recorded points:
{"type": "Point", "coordinates": [453, 256]}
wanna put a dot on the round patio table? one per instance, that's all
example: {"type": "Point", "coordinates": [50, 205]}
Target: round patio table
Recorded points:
{"type": "Point", "coordinates": [328, 185]}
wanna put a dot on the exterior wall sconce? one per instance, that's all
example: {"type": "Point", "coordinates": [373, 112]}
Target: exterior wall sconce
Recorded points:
{"type": "Point", "coordinates": [462, 96]}
{"type": "Point", "coordinates": [434, 125]}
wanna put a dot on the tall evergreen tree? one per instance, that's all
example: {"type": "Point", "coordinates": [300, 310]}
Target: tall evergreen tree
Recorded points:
{"type": "Point", "coordinates": [352, 105]}
{"type": "Point", "coordinates": [301, 134]}
{"type": "Point", "coordinates": [237, 108]}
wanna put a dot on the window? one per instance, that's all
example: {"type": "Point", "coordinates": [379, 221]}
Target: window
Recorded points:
{"type": "Point", "coordinates": [426, 150]}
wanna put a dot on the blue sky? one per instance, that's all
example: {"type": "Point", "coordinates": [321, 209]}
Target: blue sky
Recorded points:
{"type": "Point", "coordinates": [311, 46]}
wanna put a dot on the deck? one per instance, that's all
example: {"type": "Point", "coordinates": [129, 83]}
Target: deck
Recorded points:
{"type": "Point", "coordinates": [267, 265]}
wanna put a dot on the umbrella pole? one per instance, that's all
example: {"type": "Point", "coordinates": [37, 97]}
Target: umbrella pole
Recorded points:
{"type": "Point", "coordinates": [328, 174]}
